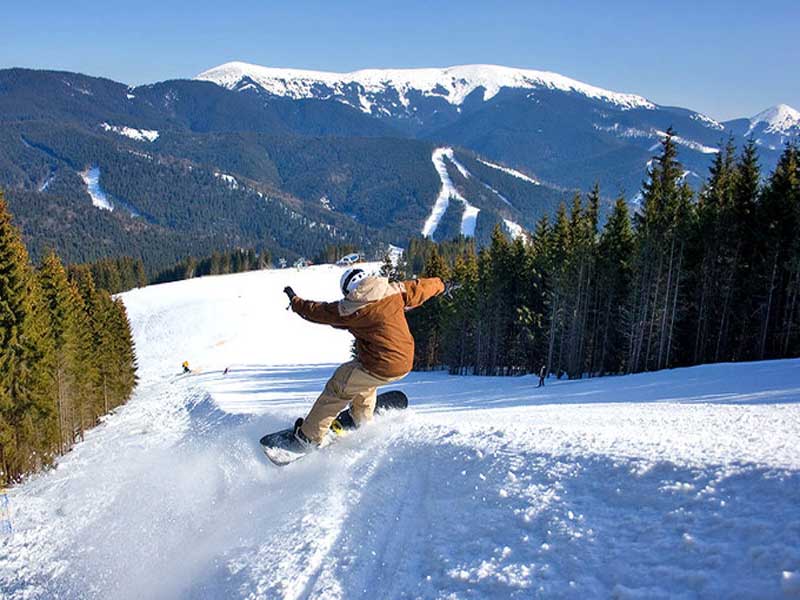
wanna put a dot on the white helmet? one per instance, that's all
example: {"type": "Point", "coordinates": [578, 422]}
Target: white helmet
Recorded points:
{"type": "Point", "coordinates": [351, 279]}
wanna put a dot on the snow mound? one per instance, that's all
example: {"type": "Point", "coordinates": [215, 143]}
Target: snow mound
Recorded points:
{"type": "Point", "coordinates": [452, 84]}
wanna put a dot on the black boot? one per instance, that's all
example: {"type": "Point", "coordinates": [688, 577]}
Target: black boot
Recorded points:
{"type": "Point", "coordinates": [306, 444]}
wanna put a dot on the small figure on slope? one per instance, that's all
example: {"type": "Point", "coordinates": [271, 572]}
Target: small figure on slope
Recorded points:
{"type": "Point", "coordinates": [373, 310]}
{"type": "Point", "coordinates": [185, 366]}
{"type": "Point", "coordinates": [542, 375]}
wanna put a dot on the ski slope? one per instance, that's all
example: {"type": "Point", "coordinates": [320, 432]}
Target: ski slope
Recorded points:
{"type": "Point", "coordinates": [469, 217]}
{"type": "Point", "coordinates": [679, 484]}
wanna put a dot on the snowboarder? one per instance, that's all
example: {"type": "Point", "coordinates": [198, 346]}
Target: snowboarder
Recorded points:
{"type": "Point", "coordinates": [542, 375]}
{"type": "Point", "coordinates": [185, 366]}
{"type": "Point", "coordinates": [373, 310]}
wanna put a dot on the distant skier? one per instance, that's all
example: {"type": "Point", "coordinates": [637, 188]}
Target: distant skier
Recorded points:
{"type": "Point", "coordinates": [185, 366]}
{"type": "Point", "coordinates": [373, 310]}
{"type": "Point", "coordinates": [542, 375]}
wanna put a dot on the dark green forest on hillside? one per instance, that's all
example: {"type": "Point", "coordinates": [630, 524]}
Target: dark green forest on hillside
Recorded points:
{"type": "Point", "coordinates": [167, 209]}
{"type": "Point", "coordinates": [66, 355]}
{"type": "Point", "coordinates": [180, 209]}
{"type": "Point", "coordinates": [687, 279]}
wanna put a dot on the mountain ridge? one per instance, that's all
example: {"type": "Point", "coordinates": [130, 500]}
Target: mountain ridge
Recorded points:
{"type": "Point", "coordinates": [559, 129]}
{"type": "Point", "coordinates": [462, 80]}
{"type": "Point", "coordinates": [277, 80]}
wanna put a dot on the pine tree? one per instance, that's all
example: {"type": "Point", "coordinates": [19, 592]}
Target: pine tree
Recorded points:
{"type": "Point", "coordinates": [387, 267]}
{"type": "Point", "coordinates": [28, 426]}
{"type": "Point", "coordinates": [122, 356]}
{"type": "Point", "coordinates": [140, 274]}
{"type": "Point", "coordinates": [461, 321]}
{"type": "Point", "coordinates": [580, 284]}
{"type": "Point", "coordinates": [497, 312]}
{"type": "Point", "coordinates": [615, 254]}
{"type": "Point", "coordinates": [747, 191]}
{"type": "Point", "coordinates": [92, 350]}
{"type": "Point", "coordinates": [64, 322]}
{"type": "Point", "coordinates": [103, 328]}
{"type": "Point", "coordinates": [779, 214]}
{"type": "Point", "coordinates": [541, 252]}
{"type": "Point", "coordinates": [715, 257]}
{"type": "Point", "coordinates": [661, 233]}
{"type": "Point", "coordinates": [526, 343]}
{"type": "Point", "coordinates": [427, 320]}
{"type": "Point", "coordinates": [559, 245]}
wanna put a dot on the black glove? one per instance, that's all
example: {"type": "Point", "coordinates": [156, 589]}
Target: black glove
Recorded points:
{"type": "Point", "coordinates": [450, 287]}
{"type": "Point", "coordinates": [289, 292]}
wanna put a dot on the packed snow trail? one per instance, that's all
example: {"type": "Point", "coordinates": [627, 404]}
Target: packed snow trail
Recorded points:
{"type": "Point", "coordinates": [682, 483]}
{"type": "Point", "coordinates": [469, 217]}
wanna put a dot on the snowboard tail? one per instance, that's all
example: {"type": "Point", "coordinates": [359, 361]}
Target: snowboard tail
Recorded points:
{"type": "Point", "coordinates": [283, 448]}
{"type": "Point", "coordinates": [393, 400]}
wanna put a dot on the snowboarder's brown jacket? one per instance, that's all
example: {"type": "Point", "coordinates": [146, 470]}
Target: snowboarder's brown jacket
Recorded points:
{"type": "Point", "coordinates": [375, 314]}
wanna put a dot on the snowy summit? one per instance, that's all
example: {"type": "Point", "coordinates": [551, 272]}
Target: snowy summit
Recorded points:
{"type": "Point", "coordinates": [452, 84]}
{"type": "Point", "coordinates": [780, 119]}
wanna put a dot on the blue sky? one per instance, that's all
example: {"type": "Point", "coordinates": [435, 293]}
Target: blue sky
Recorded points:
{"type": "Point", "coordinates": [717, 57]}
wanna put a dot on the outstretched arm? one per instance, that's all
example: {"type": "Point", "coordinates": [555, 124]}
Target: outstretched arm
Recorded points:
{"type": "Point", "coordinates": [325, 313]}
{"type": "Point", "coordinates": [418, 291]}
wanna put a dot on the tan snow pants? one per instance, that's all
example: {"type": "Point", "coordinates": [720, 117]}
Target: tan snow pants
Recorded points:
{"type": "Point", "coordinates": [350, 384]}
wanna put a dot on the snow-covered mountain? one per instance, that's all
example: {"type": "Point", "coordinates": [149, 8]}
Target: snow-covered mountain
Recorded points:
{"type": "Point", "coordinates": [389, 91]}
{"type": "Point", "coordinates": [564, 131]}
{"type": "Point", "coordinates": [683, 483]}
{"type": "Point", "coordinates": [778, 119]}
{"type": "Point", "coordinates": [771, 128]}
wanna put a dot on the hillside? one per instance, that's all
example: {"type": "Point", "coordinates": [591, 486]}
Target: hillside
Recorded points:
{"type": "Point", "coordinates": [564, 131]}
{"type": "Point", "coordinates": [185, 167]}
{"type": "Point", "coordinates": [681, 483]}
{"type": "Point", "coordinates": [295, 161]}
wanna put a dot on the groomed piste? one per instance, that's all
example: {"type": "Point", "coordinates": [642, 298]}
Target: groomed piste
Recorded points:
{"type": "Point", "coordinates": [682, 483]}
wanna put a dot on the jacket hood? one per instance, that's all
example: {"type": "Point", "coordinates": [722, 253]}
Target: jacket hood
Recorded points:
{"type": "Point", "coordinates": [371, 289]}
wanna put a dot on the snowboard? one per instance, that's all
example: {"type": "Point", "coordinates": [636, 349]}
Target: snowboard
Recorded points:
{"type": "Point", "coordinates": [282, 448]}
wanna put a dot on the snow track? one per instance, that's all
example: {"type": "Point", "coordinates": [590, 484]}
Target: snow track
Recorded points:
{"type": "Point", "coordinates": [682, 483]}
{"type": "Point", "coordinates": [448, 191]}
{"type": "Point", "coordinates": [91, 177]}
{"type": "Point", "coordinates": [469, 217]}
